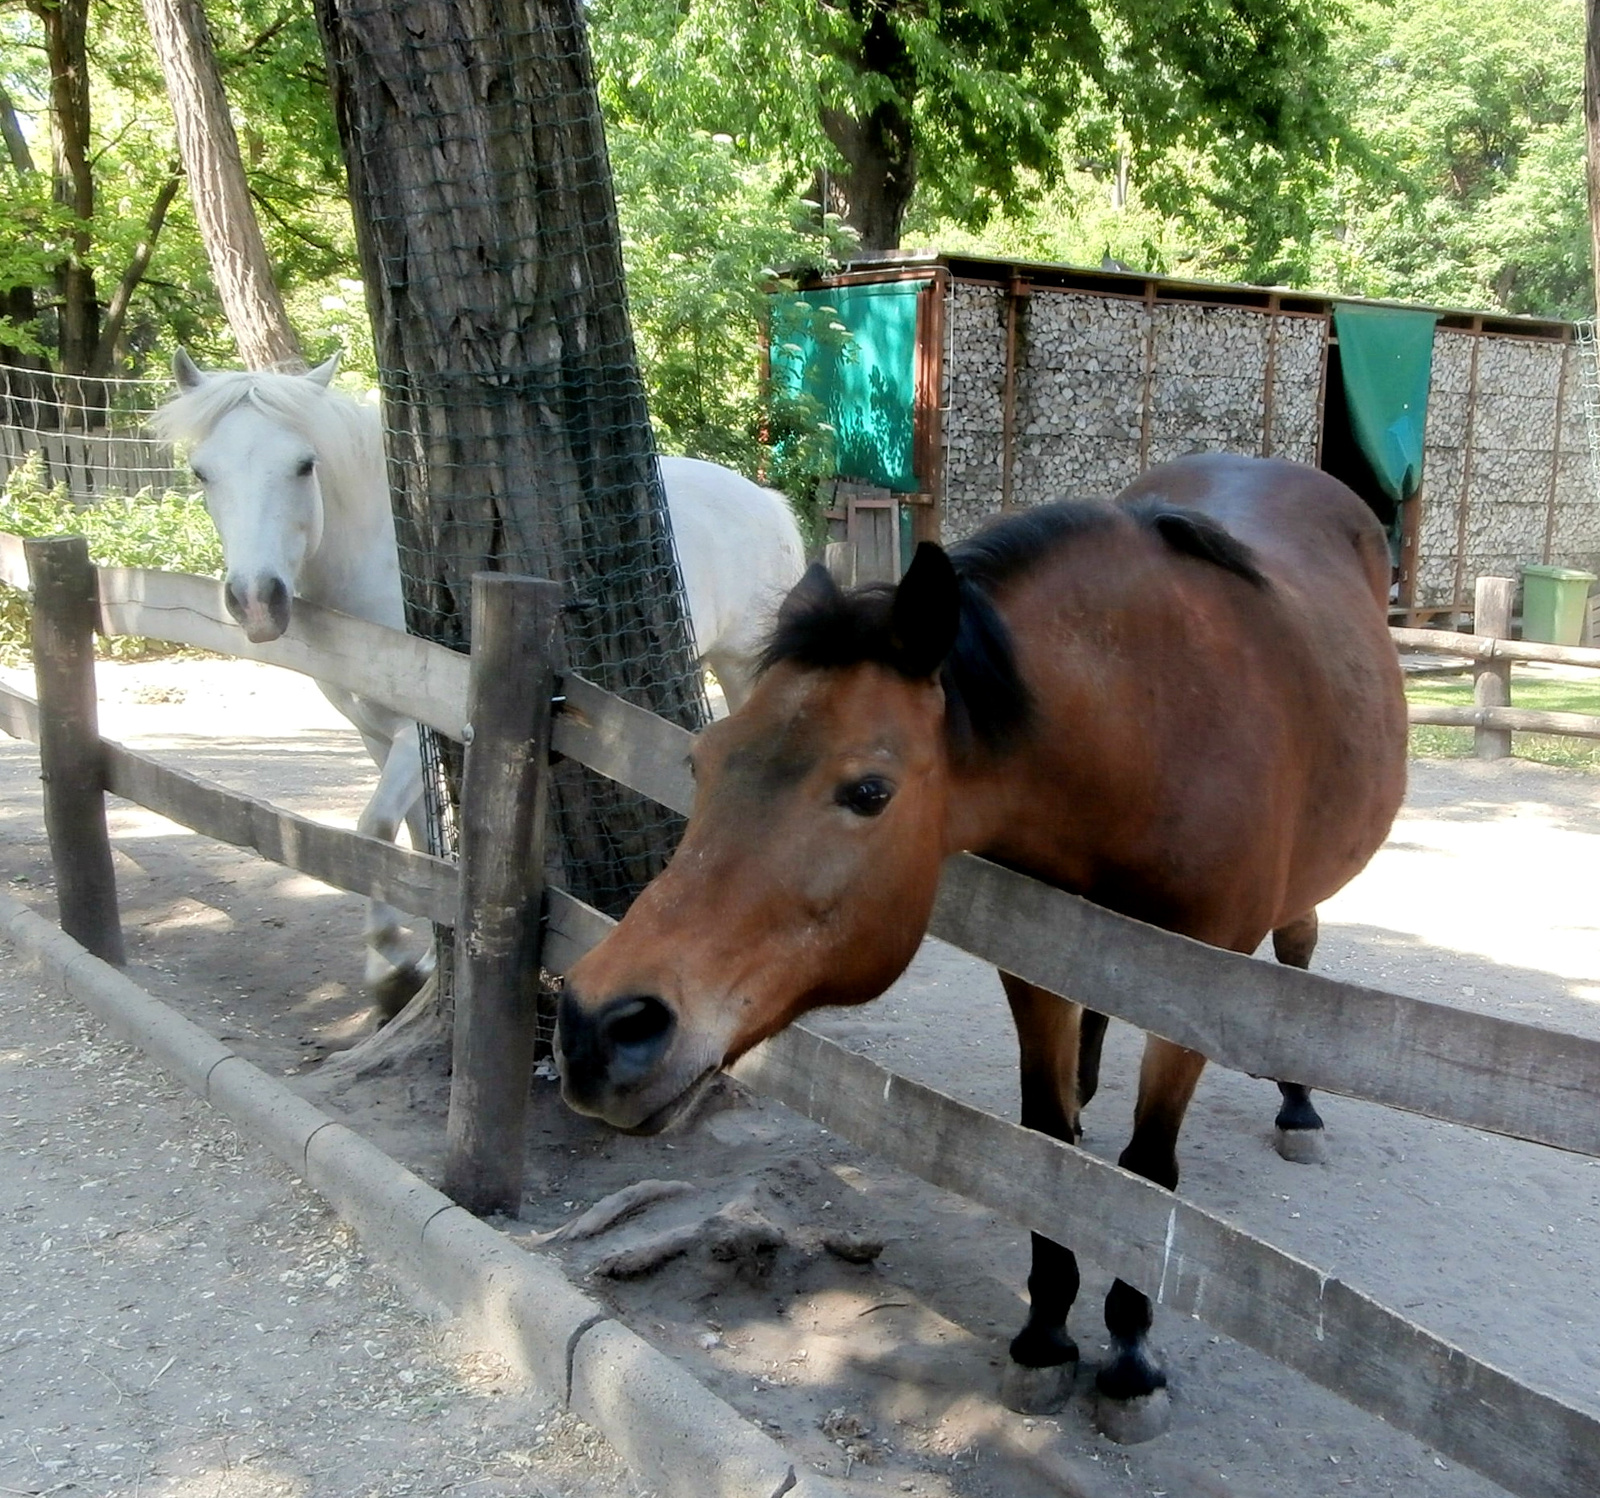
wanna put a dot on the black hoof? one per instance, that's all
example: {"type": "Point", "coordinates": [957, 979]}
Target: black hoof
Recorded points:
{"type": "Point", "coordinates": [392, 992]}
{"type": "Point", "coordinates": [1131, 1374]}
{"type": "Point", "coordinates": [1302, 1146]}
{"type": "Point", "coordinates": [1130, 1421]}
{"type": "Point", "coordinates": [1037, 1391]}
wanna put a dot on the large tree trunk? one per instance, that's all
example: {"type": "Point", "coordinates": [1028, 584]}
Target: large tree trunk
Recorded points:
{"type": "Point", "coordinates": [873, 192]}
{"type": "Point", "coordinates": [517, 433]}
{"type": "Point", "coordinates": [217, 185]}
{"type": "Point", "coordinates": [66, 34]}
{"type": "Point", "coordinates": [1591, 119]}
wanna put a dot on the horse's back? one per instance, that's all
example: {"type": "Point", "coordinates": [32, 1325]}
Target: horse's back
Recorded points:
{"type": "Point", "coordinates": [739, 549]}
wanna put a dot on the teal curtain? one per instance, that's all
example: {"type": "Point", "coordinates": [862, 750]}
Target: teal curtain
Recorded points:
{"type": "Point", "coordinates": [1386, 356]}
{"type": "Point", "coordinates": [866, 382]}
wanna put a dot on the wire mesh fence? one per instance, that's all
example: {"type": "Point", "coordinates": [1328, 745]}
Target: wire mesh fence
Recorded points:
{"type": "Point", "coordinates": [89, 435]}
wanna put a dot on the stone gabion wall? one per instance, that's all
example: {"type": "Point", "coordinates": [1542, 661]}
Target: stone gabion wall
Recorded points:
{"type": "Point", "coordinates": [1082, 391]}
{"type": "Point", "coordinates": [1492, 448]}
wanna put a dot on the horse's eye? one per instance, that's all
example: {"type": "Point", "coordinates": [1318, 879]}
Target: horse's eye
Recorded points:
{"type": "Point", "coordinates": [865, 797]}
{"type": "Point", "coordinates": [303, 471]}
{"type": "Point", "coordinates": [199, 477]}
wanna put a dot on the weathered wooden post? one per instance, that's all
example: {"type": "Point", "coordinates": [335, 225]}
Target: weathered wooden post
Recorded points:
{"type": "Point", "coordinates": [1491, 680]}
{"type": "Point", "coordinates": [502, 828]}
{"type": "Point", "coordinates": [70, 762]}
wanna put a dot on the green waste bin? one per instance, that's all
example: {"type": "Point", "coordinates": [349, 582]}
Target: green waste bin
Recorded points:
{"type": "Point", "coordinates": [1552, 603]}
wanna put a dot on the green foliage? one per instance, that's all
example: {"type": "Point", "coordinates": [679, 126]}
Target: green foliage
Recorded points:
{"type": "Point", "coordinates": [703, 228]}
{"type": "Point", "coordinates": [168, 530]}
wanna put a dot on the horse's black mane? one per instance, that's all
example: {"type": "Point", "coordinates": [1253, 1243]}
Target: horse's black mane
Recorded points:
{"type": "Point", "coordinates": [988, 705]}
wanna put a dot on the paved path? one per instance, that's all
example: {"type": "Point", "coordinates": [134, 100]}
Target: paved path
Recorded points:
{"type": "Point", "coordinates": [179, 1316]}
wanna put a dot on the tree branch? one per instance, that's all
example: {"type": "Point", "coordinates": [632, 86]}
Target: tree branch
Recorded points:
{"type": "Point", "coordinates": [117, 310]}
{"type": "Point", "coordinates": [11, 129]}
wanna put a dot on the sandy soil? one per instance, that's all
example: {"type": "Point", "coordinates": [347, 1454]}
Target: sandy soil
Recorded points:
{"type": "Point", "coordinates": [884, 1374]}
{"type": "Point", "coordinates": [180, 1317]}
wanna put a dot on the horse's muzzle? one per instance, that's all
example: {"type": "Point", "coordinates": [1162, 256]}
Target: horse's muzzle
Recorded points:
{"type": "Point", "coordinates": [260, 605]}
{"type": "Point", "coordinates": [615, 1060]}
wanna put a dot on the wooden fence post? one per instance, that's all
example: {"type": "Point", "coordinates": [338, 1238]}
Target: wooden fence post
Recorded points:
{"type": "Point", "coordinates": [502, 822]}
{"type": "Point", "coordinates": [1491, 680]}
{"type": "Point", "coordinates": [70, 761]}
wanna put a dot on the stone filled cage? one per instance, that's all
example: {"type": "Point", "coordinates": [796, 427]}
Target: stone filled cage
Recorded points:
{"type": "Point", "coordinates": [1035, 382]}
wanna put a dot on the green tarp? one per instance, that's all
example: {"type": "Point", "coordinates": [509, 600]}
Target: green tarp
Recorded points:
{"type": "Point", "coordinates": [867, 383]}
{"type": "Point", "coordinates": [1386, 356]}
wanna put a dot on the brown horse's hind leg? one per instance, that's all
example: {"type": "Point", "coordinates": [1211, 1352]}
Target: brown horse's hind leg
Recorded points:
{"type": "Point", "coordinates": [1299, 1124]}
{"type": "Point", "coordinates": [1133, 1401]}
{"type": "Point", "coordinates": [1091, 1037]}
{"type": "Point", "coordinates": [1039, 1376]}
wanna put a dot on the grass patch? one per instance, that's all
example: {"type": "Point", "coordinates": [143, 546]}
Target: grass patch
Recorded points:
{"type": "Point", "coordinates": [168, 530]}
{"type": "Point", "coordinates": [1548, 694]}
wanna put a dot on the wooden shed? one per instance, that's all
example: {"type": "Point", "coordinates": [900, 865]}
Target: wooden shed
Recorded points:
{"type": "Point", "coordinates": [983, 385]}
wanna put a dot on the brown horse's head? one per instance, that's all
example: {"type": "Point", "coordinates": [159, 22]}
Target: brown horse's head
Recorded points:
{"type": "Point", "coordinates": [808, 870]}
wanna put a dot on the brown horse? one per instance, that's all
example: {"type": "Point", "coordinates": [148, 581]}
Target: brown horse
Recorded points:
{"type": "Point", "coordinates": [1183, 706]}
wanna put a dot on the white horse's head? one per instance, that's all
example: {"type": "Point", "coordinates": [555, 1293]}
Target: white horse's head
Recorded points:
{"type": "Point", "coordinates": [254, 445]}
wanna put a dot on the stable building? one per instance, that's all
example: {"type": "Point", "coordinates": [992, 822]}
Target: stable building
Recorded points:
{"type": "Point", "coordinates": [971, 386]}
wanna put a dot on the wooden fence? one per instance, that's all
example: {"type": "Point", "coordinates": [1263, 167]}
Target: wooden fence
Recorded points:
{"type": "Point", "coordinates": [1259, 1017]}
{"type": "Point", "coordinates": [1491, 653]}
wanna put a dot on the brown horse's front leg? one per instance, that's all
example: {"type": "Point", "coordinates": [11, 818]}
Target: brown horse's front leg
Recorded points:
{"type": "Point", "coordinates": [1039, 1376]}
{"type": "Point", "coordinates": [1133, 1400]}
{"type": "Point", "coordinates": [1299, 1137]}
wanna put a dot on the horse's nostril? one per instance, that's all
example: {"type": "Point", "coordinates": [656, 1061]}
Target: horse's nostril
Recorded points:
{"type": "Point", "coordinates": [233, 597]}
{"type": "Point", "coordinates": [637, 1024]}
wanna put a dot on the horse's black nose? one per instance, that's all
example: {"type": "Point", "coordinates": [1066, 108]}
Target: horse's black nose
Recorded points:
{"type": "Point", "coordinates": [611, 1047]}
{"type": "Point", "coordinates": [275, 598]}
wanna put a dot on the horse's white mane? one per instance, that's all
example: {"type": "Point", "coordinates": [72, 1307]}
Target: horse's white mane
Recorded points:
{"type": "Point", "coordinates": [346, 435]}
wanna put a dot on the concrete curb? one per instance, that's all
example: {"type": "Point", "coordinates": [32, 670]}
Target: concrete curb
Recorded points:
{"type": "Point", "coordinates": [668, 1427]}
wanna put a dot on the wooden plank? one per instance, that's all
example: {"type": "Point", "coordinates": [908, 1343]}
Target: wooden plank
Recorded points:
{"type": "Point", "coordinates": [1197, 1264]}
{"type": "Point", "coordinates": [417, 883]}
{"type": "Point", "coordinates": [502, 822]}
{"type": "Point", "coordinates": [626, 743]}
{"type": "Point", "coordinates": [1507, 719]}
{"type": "Point", "coordinates": [1274, 1021]}
{"type": "Point", "coordinates": [1256, 1017]}
{"type": "Point", "coordinates": [1188, 1259]}
{"type": "Point", "coordinates": [19, 715]}
{"type": "Point", "coordinates": [69, 743]}
{"type": "Point", "coordinates": [422, 680]}
{"type": "Point", "coordinates": [14, 563]}
{"type": "Point", "coordinates": [1491, 679]}
{"type": "Point", "coordinates": [1477, 647]}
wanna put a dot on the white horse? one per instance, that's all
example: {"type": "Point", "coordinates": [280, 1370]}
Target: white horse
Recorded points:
{"type": "Point", "coordinates": [294, 480]}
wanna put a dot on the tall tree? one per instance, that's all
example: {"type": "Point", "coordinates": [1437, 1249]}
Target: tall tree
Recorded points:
{"type": "Point", "coordinates": [517, 433]}
{"type": "Point", "coordinates": [964, 101]}
{"type": "Point", "coordinates": [1591, 122]}
{"type": "Point", "coordinates": [217, 184]}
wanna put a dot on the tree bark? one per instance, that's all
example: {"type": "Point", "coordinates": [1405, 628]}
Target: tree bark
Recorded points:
{"type": "Point", "coordinates": [1591, 120]}
{"type": "Point", "coordinates": [117, 308]}
{"type": "Point", "coordinates": [873, 192]}
{"type": "Point", "coordinates": [517, 433]}
{"type": "Point", "coordinates": [66, 33]}
{"type": "Point", "coordinates": [217, 185]}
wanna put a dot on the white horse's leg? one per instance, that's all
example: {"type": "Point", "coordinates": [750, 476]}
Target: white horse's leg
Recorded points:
{"type": "Point", "coordinates": [392, 976]}
{"type": "Point", "coordinates": [733, 674]}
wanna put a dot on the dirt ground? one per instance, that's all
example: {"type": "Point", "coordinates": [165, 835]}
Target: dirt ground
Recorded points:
{"type": "Point", "coordinates": [180, 1317]}
{"type": "Point", "coordinates": [883, 1374]}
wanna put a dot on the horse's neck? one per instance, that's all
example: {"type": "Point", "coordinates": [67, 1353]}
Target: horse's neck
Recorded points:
{"type": "Point", "coordinates": [356, 568]}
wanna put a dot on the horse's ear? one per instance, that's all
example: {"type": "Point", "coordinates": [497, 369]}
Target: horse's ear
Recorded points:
{"type": "Point", "coordinates": [324, 372]}
{"type": "Point", "coordinates": [815, 591]}
{"type": "Point", "coordinates": [926, 612]}
{"type": "Point", "coordinates": [186, 372]}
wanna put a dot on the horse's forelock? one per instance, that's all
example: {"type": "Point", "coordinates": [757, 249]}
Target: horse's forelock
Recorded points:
{"type": "Point", "coordinates": [345, 434]}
